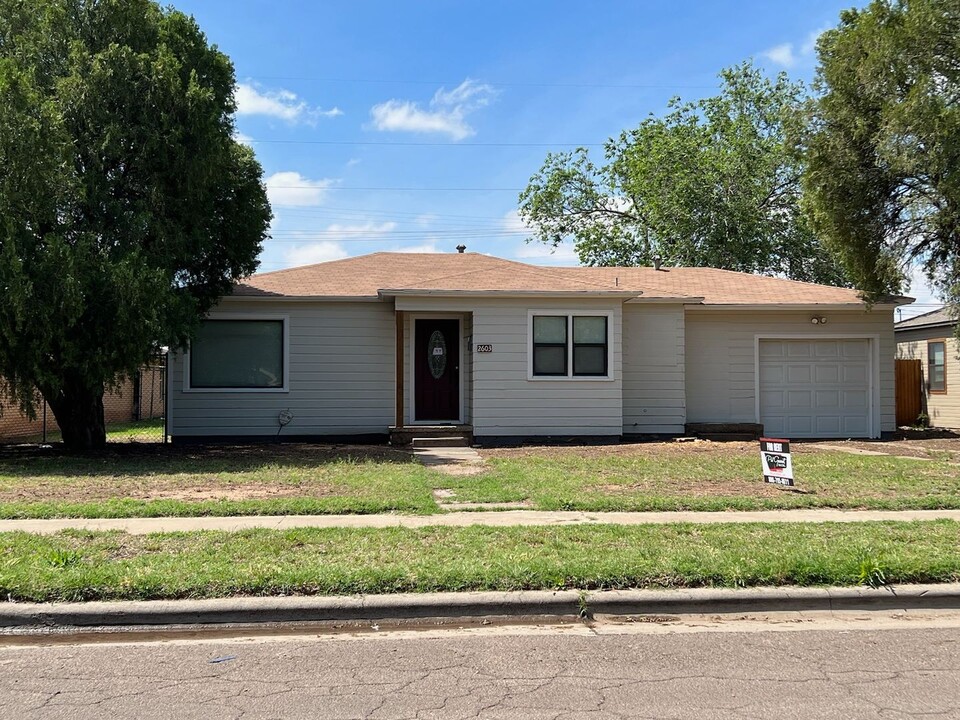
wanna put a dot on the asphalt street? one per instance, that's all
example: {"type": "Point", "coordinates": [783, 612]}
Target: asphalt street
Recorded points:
{"type": "Point", "coordinates": [791, 666]}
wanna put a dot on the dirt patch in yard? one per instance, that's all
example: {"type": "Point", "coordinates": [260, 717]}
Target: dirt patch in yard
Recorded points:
{"type": "Point", "coordinates": [670, 448]}
{"type": "Point", "coordinates": [937, 448]}
{"type": "Point", "coordinates": [92, 491]}
{"type": "Point", "coordinates": [195, 473]}
{"type": "Point", "coordinates": [933, 448]}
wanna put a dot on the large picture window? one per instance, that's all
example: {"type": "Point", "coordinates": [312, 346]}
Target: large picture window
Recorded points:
{"type": "Point", "coordinates": [238, 354]}
{"type": "Point", "coordinates": [937, 365]}
{"type": "Point", "coordinates": [570, 346]}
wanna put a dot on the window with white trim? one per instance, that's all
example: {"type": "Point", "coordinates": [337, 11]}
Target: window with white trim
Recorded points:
{"type": "Point", "coordinates": [238, 354]}
{"type": "Point", "coordinates": [937, 366]}
{"type": "Point", "coordinates": [570, 346]}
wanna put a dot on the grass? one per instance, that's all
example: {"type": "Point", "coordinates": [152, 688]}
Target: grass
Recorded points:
{"type": "Point", "coordinates": [139, 480]}
{"type": "Point", "coordinates": [74, 565]}
{"type": "Point", "coordinates": [140, 431]}
{"type": "Point", "coordinates": [143, 431]}
{"type": "Point", "coordinates": [720, 478]}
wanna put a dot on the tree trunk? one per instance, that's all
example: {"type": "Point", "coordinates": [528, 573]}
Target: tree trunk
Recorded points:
{"type": "Point", "coordinates": [79, 413]}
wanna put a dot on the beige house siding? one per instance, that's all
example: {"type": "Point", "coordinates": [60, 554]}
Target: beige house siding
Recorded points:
{"type": "Point", "coordinates": [721, 347]}
{"type": "Point", "coordinates": [654, 395]}
{"type": "Point", "coordinates": [943, 409]}
{"type": "Point", "coordinates": [341, 376]}
{"type": "Point", "coordinates": [505, 401]}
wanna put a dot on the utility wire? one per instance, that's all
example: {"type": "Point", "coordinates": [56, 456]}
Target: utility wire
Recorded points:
{"type": "Point", "coordinates": [424, 144]}
{"type": "Point", "coordinates": [455, 83]}
{"type": "Point", "coordinates": [395, 189]}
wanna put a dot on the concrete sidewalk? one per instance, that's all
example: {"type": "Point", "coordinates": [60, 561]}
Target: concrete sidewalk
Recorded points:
{"type": "Point", "coordinates": [144, 526]}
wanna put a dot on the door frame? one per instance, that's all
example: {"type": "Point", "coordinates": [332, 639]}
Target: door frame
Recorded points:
{"type": "Point", "coordinates": [412, 356]}
{"type": "Point", "coordinates": [874, 418]}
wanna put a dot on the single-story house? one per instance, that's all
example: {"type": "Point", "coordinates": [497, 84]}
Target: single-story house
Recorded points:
{"type": "Point", "coordinates": [507, 350]}
{"type": "Point", "coordinates": [930, 339]}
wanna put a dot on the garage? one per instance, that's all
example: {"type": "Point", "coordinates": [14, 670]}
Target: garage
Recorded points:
{"type": "Point", "coordinates": [815, 388]}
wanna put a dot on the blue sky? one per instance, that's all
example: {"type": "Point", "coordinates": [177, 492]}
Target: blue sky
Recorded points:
{"type": "Point", "coordinates": [413, 126]}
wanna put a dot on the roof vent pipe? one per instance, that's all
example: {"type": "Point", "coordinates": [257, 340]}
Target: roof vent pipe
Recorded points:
{"type": "Point", "coordinates": [657, 262]}
{"type": "Point", "coordinates": [461, 249]}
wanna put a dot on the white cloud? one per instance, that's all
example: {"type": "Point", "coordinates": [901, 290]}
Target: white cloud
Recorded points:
{"type": "Point", "coordinates": [562, 254]}
{"type": "Point", "coordinates": [243, 138]}
{"type": "Point", "coordinates": [353, 162]}
{"type": "Point", "coordinates": [315, 252]}
{"type": "Point", "coordinates": [359, 230]}
{"type": "Point", "coordinates": [512, 222]}
{"type": "Point", "coordinates": [809, 46]}
{"type": "Point", "coordinates": [446, 113]}
{"type": "Point", "coordinates": [291, 189]}
{"type": "Point", "coordinates": [430, 247]}
{"type": "Point", "coordinates": [788, 55]}
{"type": "Point", "coordinates": [331, 242]}
{"type": "Point", "coordinates": [281, 104]}
{"type": "Point", "coordinates": [926, 299]}
{"type": "Point", "coordinates": [781, 55]}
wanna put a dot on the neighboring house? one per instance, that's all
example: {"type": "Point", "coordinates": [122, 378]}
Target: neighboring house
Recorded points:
{"type": "Point", "coordinates": [930, 339]}
{"type": "Point", "coordinates": [356, 347]}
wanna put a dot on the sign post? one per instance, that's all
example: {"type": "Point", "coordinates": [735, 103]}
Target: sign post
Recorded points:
{"type": "Point", "coordinates": [776, 461]}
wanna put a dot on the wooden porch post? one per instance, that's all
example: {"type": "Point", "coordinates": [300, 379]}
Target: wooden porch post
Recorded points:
{"type": "Point", "coordinates": [399, 383]}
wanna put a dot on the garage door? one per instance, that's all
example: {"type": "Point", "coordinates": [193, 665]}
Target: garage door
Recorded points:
{"type": "Point", "coordinates": [815, 388]}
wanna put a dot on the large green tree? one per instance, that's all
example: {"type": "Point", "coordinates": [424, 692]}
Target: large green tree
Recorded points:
{"type": "Point", "coordinates": [126, 206]}
{"type": "Point", "coordinates": [711, 183]}
{"type": "Point", "coordinates": [883, 143]}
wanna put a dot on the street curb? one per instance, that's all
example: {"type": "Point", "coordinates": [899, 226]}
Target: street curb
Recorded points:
{"type": "Point", "coordinates": [475, 605]}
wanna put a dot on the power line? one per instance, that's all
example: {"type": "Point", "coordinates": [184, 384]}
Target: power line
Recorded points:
{"type": "Point", "coordinates": [423, 144]}
{"type": "Point", "coordinates": [455, 83]}
{"type": "Point", "coordinates": [364, 212]}
{"type": "Point", "coordinates": [394, 189]}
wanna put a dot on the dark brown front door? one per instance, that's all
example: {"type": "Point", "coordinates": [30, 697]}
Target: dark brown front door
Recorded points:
{"type": "Point", "coordinates": [436, 370]}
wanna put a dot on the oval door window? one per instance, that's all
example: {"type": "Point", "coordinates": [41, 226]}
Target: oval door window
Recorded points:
{"type": "Point", "coordinates": [437, 354]}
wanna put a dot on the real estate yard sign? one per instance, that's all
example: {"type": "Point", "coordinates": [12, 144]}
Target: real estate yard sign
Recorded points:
{"type": "Point", "coordinates": [776, 461]}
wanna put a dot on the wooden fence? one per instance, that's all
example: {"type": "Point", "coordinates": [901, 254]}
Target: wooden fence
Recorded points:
{"type": "Point", "coordinates": [909, 391]}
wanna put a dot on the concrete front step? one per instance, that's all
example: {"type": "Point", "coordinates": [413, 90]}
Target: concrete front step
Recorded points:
{"type": "Point", "coordinates": [404, 436]}
{"type": "Point", "coordinates": [440, 441]}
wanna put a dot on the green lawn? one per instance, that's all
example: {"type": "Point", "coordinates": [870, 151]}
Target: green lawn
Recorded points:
{"type": "Point", "coordinates": [719, 476]}
{"type": "Point", "coordinates": [92, 566]}
{"type": "Point", "coordinates": [150, 481]}
{"type": "Point", "coordinates": [142, 480]}
{"type": "Point", "coordinates": [142, 431]}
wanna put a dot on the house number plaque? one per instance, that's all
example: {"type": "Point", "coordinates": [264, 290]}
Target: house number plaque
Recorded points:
{"type": "Point", "coordinates": [484, 348]}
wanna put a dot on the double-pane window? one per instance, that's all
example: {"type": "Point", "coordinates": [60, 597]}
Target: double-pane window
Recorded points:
{"type": "Point", "coordinates": [937, 365]}
{"type": "Point", "coordinates": [589, 345]}
{"type": "Point", "coordinates": [550, 345]}
{"type": "Point", "coordinates": [570, 346]}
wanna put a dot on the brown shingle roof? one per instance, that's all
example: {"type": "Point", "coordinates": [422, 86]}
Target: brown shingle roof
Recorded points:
{"type": "Point", "coordinates": [932, 318]}
{"type": "Point", "coordinates": [720, 287]}
{"type": "Point", "coordinates": [366, 276]}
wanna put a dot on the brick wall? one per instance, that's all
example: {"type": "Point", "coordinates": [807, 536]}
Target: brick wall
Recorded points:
{"type": "Point", "coordinates": [118, 406]}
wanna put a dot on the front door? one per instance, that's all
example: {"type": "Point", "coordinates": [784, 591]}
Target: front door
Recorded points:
{"type": "Point", "coordinates": [436, 370]}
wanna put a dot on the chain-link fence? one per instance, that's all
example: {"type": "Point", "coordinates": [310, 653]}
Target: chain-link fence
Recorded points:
{"type": "Point", "coordinates": [131, 412]}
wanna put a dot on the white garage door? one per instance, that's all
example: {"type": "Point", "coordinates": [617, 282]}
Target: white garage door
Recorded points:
{"type": "Point", "coordinates": [815, 388]}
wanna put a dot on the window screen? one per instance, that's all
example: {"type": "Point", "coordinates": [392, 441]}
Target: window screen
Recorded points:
{"type": "Point", "coordinates": [589, 345]}
{"type": "Point", "coordinates": [237, 354]}
{"type": "Point", "coordinates": [937, 366]}
{"type": "Point", "coordinates": [549, 345]}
